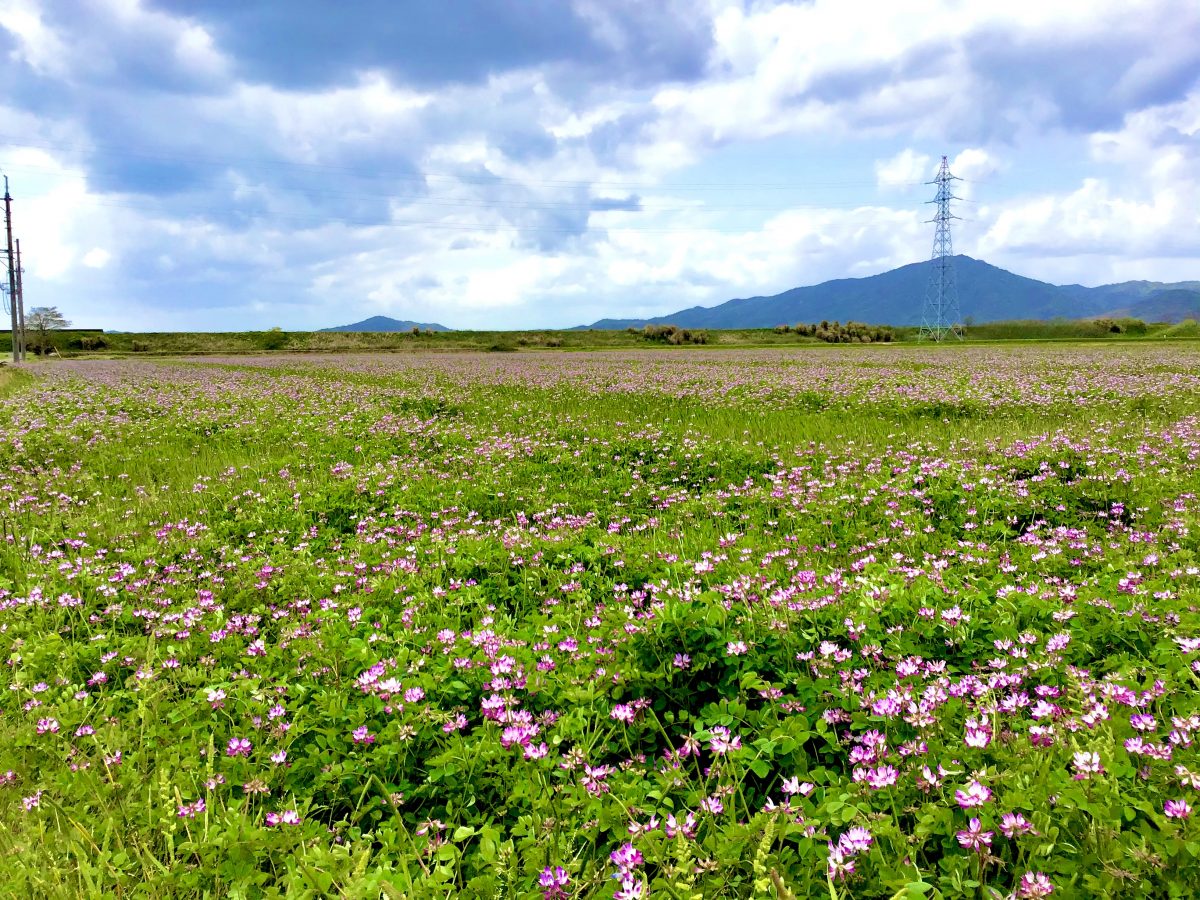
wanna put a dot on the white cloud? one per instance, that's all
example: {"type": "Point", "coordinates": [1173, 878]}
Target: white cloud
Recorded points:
{"type": "Point", "coordinates": [38, 45]}
{"type": "Point", "coordinates": [497, 174]}
{"type": "Point", "coordinates": [1144, 212]}
{"type": "Point", "coordinates": [903, 170]}
{"type": "Point", "coordinates": [96, 258]}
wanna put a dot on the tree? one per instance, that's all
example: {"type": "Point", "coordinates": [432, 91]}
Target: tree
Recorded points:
{"type": "Point", "coordinates": [40, 321]}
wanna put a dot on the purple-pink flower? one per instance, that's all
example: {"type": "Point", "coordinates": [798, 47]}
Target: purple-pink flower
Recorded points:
{"type": "Point", "coordinates": [238, 747]}
{"type": "Point", "coordinates": [974, 794]}
{"type": "Point", "coordinates": [1177, 809]}
{"type": "Point", "coordinates": [1034, 885]}
{"type": "Point", "coordinates": [974, 838]}
{"type": "Point", "coordinates": [554, 882]}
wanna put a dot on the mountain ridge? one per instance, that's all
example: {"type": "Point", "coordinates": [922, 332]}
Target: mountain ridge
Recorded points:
{"type": "Point", "coordinates": [987, 293]}
{"type": "Point", "coordinates": [386, 323]}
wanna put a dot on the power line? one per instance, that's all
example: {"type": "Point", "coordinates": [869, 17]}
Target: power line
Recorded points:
{"type": "Point", "coordinates": [224, 212]}
{"type": "Point", "coordinates": [485, 178]}
{"type": "Point", "coordinates": [504, 203]}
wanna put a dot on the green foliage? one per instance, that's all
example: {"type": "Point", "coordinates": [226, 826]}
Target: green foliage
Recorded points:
{"type": "Point", "coordinates": [850, 333]}
{"type": "Point", "coordinates": [702, 576]}
{"type": "Point", "coordinates": [673, 335]}
{"type": "Point", "coordinates": [275, 339]}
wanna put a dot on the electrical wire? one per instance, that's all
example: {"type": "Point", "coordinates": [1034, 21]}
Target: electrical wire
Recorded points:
{"type": "Point", "coordinates": [486, 178]}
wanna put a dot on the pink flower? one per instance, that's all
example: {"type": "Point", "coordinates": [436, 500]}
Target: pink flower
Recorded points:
{"type": "Point", "coordinates": [1177, 809]}
{"type": "Point", "coordinates": [287, 817]}
{"type": "Point", "coordinates": [1033, 885]}
{"type": "Point", "coordinates": [687, 827]}
{"type": "Point", "coordinates": [736, 648]}
{"type": "Point", "coordinates": [977, 736]}
{"type": "Point", "coordinates": [856, 840]}
{"type": "Point", "coordinates": [1086, 765]}
{"type": "Point", "coordinates": [623, 712]}
{"type": "Point", "coordinates": [841, 863]}
{"type": "Point", "coordinates": [553, 881]}
{"type": "Point", "coordinates": [1012, 824]}
{"type": "Point", "coordinates": [626, 857]}
{"type": "Point", "coordinates": [794, 785]}
{"type": "Point", "coordinates": [238, 747]}
{"type": "Point", "coordinates": [190, 810]}
{"type": "Point", "coordinates": [881, 777]}
{"type": "Point", "coordinates": [974, 795]}
{"type": "Point", "coordinates": [974, 837]}
{"type": "Point", "coordinates": [722, 741]}
{"type": "Point", "coordinates": [362, 735]}
{"type": "Point", "coordinates": [536, 751]}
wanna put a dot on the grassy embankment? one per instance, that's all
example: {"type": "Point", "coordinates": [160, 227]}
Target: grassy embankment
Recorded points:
{"type": "Point", "coordinates": [77, 343]}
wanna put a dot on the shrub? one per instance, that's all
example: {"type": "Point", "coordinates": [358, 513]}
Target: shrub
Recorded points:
{"type": "Point", "coordinates": [674, 335]}
{"type": "Point", "coordinates": [139, 347]}
{"type": "Point", "coordinates": [274, 339]}
{"type": "Point", "coordinates": [850, 333]}
{"type": "Point", "coordinates": [93, 342]}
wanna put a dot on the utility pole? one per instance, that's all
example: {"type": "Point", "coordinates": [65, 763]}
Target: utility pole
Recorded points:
{"type": "Point", "coordinates": [20, 302]}
{"type": "Point", "coordinates": [941, 316]}
{"type": "Point", "coordinates": [12, 274]}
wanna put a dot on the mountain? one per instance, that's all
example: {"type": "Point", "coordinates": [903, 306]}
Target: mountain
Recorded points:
{"type": "Point", "coordinates": [1168, 305]}
{"type": "Point", "coordinates": [383, 323]}
{"type": "Point", "coordinates": [986, 294]}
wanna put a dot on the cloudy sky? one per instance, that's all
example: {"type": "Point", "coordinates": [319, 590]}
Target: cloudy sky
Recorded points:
{"type": "Point", "coordinates": [233, 164]}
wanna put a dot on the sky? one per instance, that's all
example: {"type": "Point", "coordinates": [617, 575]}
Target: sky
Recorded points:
{"type": "Point", "coordinates": [243, 164]}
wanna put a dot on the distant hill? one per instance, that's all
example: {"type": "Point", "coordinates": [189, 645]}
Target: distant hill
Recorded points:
{"type": "Point", "coordinates": [1168, 305]}
{"type": "Point", "coordinates": [986, 293]}
{"type": "Point", "coordinates": [384, 323]}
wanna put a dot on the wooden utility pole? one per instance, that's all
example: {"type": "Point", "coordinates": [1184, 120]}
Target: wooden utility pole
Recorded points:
{"type": "Point", "coordinates": [20, 302]}
{"type": "Point", "coordinates": [12, 274]}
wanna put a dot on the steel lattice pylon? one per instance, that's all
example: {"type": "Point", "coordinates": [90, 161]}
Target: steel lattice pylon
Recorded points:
{"type": "Point", "coordinates": [940, 316]}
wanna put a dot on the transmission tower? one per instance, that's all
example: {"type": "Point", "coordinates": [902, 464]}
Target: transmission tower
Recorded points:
{"type": "Point", "coordinates": [940, 317]}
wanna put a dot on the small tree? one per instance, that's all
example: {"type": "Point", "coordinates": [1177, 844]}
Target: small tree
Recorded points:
{"type": "Point", "coordinates": [39, 322]}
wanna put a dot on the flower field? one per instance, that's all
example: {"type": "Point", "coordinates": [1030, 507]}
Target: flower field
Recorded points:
{"type": "Point", "coordinates": [846, 623]}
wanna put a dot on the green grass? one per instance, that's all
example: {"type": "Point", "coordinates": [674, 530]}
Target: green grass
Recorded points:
{"type": "Point", "coordinates": [255, 342]}
{"type": "Point", "coordinates": [11, 379]}
{"type": "Point", "coordinates": [221, 539]}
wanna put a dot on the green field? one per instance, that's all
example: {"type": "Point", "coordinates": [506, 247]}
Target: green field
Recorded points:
{"type": "Point", "coordinates": [95, 343]}
{"type": "Point", "coordinates": [794, 621]}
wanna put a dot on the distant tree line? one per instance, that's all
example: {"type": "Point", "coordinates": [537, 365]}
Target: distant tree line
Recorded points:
{"type": "Point", "coordinates": [837, 333]}
{"type": "Point", "coordinates": [671, 334]}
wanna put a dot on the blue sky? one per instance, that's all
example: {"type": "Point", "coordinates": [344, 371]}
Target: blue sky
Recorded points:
{"type": "Point", "coordinates": [545, 163]}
